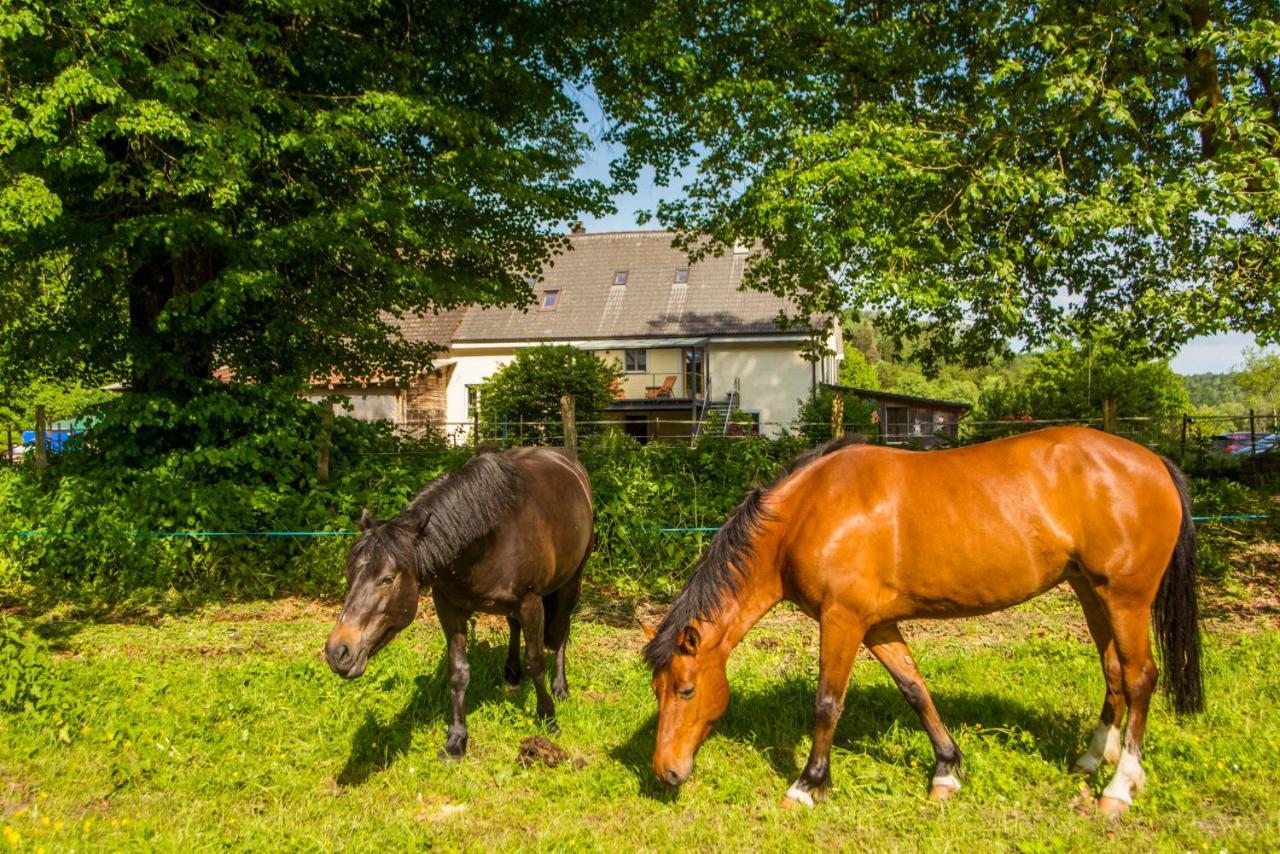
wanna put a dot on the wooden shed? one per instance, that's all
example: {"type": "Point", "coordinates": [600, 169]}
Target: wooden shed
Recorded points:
{"type": "Point", "coordinates": [904, 419]}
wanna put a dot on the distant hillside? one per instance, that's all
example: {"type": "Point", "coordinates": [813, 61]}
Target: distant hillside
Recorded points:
{"type": "Point", "coordinates": [1214, 390]}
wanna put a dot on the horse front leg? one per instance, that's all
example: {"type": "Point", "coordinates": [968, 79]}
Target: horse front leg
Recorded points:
{"type": "Point", "coordinates": [841, 634]}
{"type": "Point", "coordinates": [454, 623]}
{"type": "Point", "coordinates": [887, 645]}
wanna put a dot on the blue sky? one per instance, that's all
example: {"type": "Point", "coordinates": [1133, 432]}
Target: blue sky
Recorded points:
{"type": "Point", "coordinates": [1215, 353]}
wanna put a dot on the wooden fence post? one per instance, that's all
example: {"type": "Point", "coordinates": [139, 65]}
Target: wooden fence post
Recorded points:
{"type": "Point", "coordinates": [1182, 458]}
{"type": "Point", "coordinates": [837, 416]}
{"type": "Point", "coordinates": [8, 448]}
{"type": "Point", "coordinates": [568, 416]}
{"type": "Point", "coordinates": [1109, 415]}
{"type": "Point", "coordinates": [326, 439]}
{"type": "Point", "coordinates": [1253, 434]}
{"type": "Point", "coordinates": [42, 458]}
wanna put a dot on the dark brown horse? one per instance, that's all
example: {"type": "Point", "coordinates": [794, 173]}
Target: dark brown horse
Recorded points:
{"type": "Point", "coordinates": [507, 533]}
{"type": "Point", "coordinates": [863, 537]}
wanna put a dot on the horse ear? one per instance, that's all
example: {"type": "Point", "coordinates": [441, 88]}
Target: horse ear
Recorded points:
{"type": "Point", "coordinates": [687, 643]}
{"type": "Point", "coordinates": [366, 520]}
{"type": "Point", "coordinates": [649, 631]}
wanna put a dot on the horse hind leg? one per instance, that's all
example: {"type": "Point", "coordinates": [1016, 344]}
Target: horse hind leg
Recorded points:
{"type": "Point", "coordinates": [1131, 624]}
{"type": "Point", "coordinates": [1105, 746]}
{"type": "Point", "coordinates": [559, 609]}
{"type": "Point", "coordinates": [511, 671]}
{"type": "Point", "coordinates": [887, 645]}
{"type": "Point", "coordinates": [532, 617]}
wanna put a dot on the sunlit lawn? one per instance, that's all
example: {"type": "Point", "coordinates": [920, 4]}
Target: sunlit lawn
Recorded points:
{"type": "Point", "coordinates": [224, 728]}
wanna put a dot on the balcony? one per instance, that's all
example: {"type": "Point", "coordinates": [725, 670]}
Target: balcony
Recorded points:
{"type": "Point", "coordinates": [658, 388]}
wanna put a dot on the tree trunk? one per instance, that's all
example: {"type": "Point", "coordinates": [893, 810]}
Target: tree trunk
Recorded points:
{"type": "Point", "coordinates": [1204, 90]}
{"type": "Point", "coordinates": [174, 355]}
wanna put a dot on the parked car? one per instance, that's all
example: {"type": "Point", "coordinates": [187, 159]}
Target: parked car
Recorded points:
{"type": "Point", "coordinates": [1237, 444]}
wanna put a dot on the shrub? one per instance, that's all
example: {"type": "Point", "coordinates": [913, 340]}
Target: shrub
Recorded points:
{"type": "Point", "coordinates": [528, 389]}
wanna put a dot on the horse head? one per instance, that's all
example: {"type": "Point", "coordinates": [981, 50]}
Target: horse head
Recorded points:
{"type": "Point", "coordinates": [383, 582]}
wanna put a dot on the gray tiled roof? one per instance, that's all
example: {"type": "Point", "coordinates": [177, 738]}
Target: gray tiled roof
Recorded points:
{"type": "Point", "coordinates": [433, 328]}
{"type": "Point", "coordinates": [650, 304]}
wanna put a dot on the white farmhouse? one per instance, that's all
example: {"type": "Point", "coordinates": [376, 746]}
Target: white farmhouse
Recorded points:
{"type": "Point", "coordinates": [689, 340]}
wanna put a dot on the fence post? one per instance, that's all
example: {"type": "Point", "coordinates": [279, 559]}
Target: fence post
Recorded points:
{"type": "Point", "coordinates": [1253, 435]}
{"type": "Point", "coordinates": [1182, 458]}
{"type": "Point", "coordinates": [1109, 415]}
{"type": "Point", "coordinates": [326, 439]}
{"type": "Point", "coordinates": [568, 416]}
{"type": "Point", "coordinates": [42, 459]}
{"type": "Point", "coordinates": [837, 416]}
{"type": "Point", "coordinates": [8, 448]}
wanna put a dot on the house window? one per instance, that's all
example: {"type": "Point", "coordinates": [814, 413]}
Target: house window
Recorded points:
{"type": "Point", "coordinates": [682, 275]}
{"type": "Point", "coordinates": [530, 281]}
{"type": "Point", "coordinates": [620, 277]}
{"type": "Point", "coordinates": [550, 299]}
{"type": "Point", "coordinates": [473, 402]}
{"type": "Point", "coordinates": [693, 371]}
{"type": "Point", "coordinates": [635, 361]}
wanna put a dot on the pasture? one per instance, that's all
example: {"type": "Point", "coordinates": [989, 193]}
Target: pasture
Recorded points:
{"type": "Point", "coordinates": [222, 727]}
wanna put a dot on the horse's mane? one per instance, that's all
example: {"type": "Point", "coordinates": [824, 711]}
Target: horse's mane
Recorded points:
{"type": "Point", "coordinates": [452, 512]}
{"type": "Point", "coordinates": [719, 573]}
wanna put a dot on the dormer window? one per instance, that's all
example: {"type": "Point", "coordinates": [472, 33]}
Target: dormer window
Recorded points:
{"type": "Point", "coordinates": [620, 277]}
{"type": "Point", "coordinates": [682, 275]}
{"type": "Point", "coordinates": [549, 301]}
{"type": "Point", "coordinates": [530, 281]}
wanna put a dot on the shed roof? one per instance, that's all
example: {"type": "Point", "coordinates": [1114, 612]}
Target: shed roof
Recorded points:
{"type": "Point", "coordinates": [893, 397]}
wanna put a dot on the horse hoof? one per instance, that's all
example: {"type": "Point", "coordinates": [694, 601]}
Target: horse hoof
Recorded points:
{"type": "Point", "coordinates": [1112, 807]}
{"type": "Point", "coordinates": [941, 793]}
{"type": "Point", "coordinates": [1077, 769]}
{"type": "Point", "coordinates": [789, 803]}
{"type": "Point", "coordinates": [560, 692]}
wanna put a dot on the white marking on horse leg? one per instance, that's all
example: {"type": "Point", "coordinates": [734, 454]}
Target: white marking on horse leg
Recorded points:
{"type": "Point", "coordinates": [1105, 747]}
{"type": "Point", "coordinates": [947, 781]}
{"type": "Point", "coordinates": [1128, 781]}
{"type": "Point", "coordinates": [800, 796]}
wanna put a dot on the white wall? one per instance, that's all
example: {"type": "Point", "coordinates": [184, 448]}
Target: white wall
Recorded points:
{"type": "Point", "coordinates": [368, 404]}
{"type": "Point", "coordinates": [772, 378]}
{"type": "Point", "coordinates": [471, 367]}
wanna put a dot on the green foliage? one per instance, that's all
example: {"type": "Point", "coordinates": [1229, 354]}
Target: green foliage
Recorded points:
{"type": "Point", "coordinates": [1071, 379]}
{"type": "Point", "coordinates": [814, 416]}
{"type": "Point", "coordinates": [28, 682]}
{"type": "Point", "coordinates": [61, 399]}
{"type": "Point", "coordinates": [1260, 379]}
{"type": "Point", "coordinates": [856, 371]}
{"type": "Point", "coordinates": [230, 459]}
{"type": "Point", "coordinates": [1216, 393]}
{"type": "Point", "coordinates": [275, 183]}
{"type": "Point", "coordinates": [974, 172]}
{"type": "Point", "coordinates": [529, 387]}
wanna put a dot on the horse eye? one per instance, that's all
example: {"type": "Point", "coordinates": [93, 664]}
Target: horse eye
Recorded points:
{"type": "Point", "coordinates": [385, 580]}
{"type": "Point", "coordinates": [686, 693]}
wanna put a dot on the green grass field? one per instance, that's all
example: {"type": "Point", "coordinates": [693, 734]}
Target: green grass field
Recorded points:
{"type": "Point", "coordinates": [224, 728]}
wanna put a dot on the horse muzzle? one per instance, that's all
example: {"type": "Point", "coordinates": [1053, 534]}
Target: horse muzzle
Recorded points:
{"type": "Point", "coordinates": [346, 652]}
{"type": "Point", "coordinates": [673, 773]}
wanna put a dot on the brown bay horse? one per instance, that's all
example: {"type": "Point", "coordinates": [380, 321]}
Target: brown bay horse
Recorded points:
{"type": "Point", "coordinates": [863, 537]}
{"type": "Point", "coordinates": [507, 533]}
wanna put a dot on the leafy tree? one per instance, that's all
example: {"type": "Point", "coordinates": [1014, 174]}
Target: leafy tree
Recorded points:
{"type": "Point", "coordinates": [1215, 392]}
{"type": "Point", "coordinates": [974, 171]}
{"type": "Point", "coordinates": [186, 184]}
{"type": "Point", "coordinates": [1260, 378]}
{"type": "Point", "coordinates": [814, 416]}
{"type": "Point", "coordinates": [1071, 379]}
{"type": "Point", "coordinates": [856, 370]}
{"type": "Point", "coordinates": [529, 387]}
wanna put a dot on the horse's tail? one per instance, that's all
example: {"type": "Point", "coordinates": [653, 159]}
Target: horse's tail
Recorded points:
{"type": "Point", "coordinates": [1176, 612]}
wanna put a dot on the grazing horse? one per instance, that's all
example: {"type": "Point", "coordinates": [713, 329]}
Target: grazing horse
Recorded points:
{"type": "Point", "coordinates": [863, 537]}
{"type": "Point", "coordinates": [507, 533]}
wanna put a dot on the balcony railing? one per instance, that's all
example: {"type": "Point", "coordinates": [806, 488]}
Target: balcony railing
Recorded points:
{"type": "Point", "coordinates": [672, 385]}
